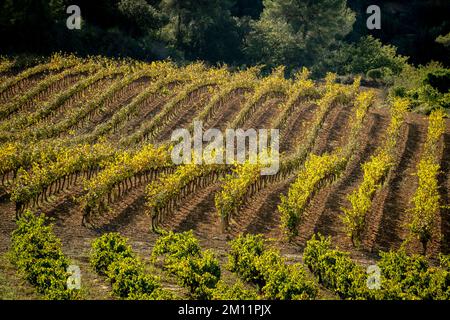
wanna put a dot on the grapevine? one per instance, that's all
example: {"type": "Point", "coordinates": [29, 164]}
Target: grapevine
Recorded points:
{"type": "Point", "coordinates": [246, 80]}
{"type": "Point", "coordinates": [150, 129]}
{"type": "Point", "coordinates": [375, 171]}
{"type": "Point", "coordinates": [125, 172]}
{"type": "Point", "coordinates": [254, 262]}
{"type": "Point", "coordinates": [45, 179]}
{"type": "Point", "coordinates": [50, 107]}
{"type": "Point", "coordinates": [49, 82]}
{"type": "Point", "coordinates": [318, 170]}
{"type": "Point", "coordinates": [37, 253]}
{"type": "Point", "coordinates": [402, 277]}
{"type": "Point", "coordinates": [166, 193]}
{"type": "Point", "coordinates": [171, 75]}
{"type": "Point", "coordinates": [302, 88]}
{"type": "Point", "coordinates": [85, 113]}
{"type": "Point", "coordinates": [273, 84]}
{"type": "Point", "coordinates": [426, 200]}
{"type": "Point", "coordinates": [112, 257]}
{"type": "Point", "coordinates": [56, 63]}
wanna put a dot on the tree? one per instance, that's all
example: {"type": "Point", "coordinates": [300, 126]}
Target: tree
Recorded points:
{"type": "Point", "coordinates": [143, 16]}
{"type": "Point", "coordinates": [249, 8]}
{"type": "Point", "coordinates": [297, 32]}
{"type": "Point", "coordinates": [26, 24]}
{"type": "Point", "coordinates": [203, 29]}
{"type": "Point", "coordinates": [368, 56]}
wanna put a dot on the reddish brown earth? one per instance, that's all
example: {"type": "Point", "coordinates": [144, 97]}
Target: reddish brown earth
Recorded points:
{"type": "Point", "coordinates": [22, 86]}
{"type": "Point", "coordinates": [185, 116]}
{"type": "Point", "coordinates": [75, 103]}
{"type": "Point", "coordinates": [227, 110]}
{"type": "Point", "coordinates": [292, 133]}
{"type": "Point", "coordinates": [385, 222]}
{"type": "Point", "coordinates": [324, 211]}
{"type": "Point", "coordinates": [120, 98]}
{"type": "Point", "coordinates": [146, 110]}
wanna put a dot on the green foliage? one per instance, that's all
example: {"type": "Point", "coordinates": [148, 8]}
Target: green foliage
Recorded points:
{"type": "Point", "coordinates": [288, 31]}
{"type": "Point", "coordinates": [124, 167]}
{"type": "Point", "coordinates": [439, 80]}
{"type": "Point", "coordinates": [375, 172]}
{"type": "Point", "coordinates": [113, 257]}
{"type": "Point", "coordinates": [369, 56]}
{"type": "Point", "coordinates": [402, 276]}
{"type": "Point", "coordinates": [444, 40]}
{"type": "Point", "coordinates": [128, 278]}
{"type": "Point", "coordinates": [174, 247]}
{"type": "Point", "coordinates": [284, 281]}
{"type": "Point", "coordinates": [426, 86]}
{"type": "Point", "coordinates": [202, 30]}
{"type": "Point", "coordinates": [37, 253]}
{"type": "Point", "coordinates": [320, 170]}
{"type": "Point", "coordinates": [376, 74]}
{"type": "Point", "coordinates": [235, 185]}
{"type": "Point", "coordinates": [197, 270]}
{"type": "Point", "coordinates": [199, 274]}
{"type": "Point", "coordinates": [444, 261]}
{"type": "Point", "coordinates": [335, 269]}
{"type": "Point", "coordinates": [412, 77]}
{"type": "Point", "coordinates": [413, 276]}
{"type": "Point", "coordinates": [107, 249]}
{"type": "Point", "coordinates": [237, 291]}
{"type": "Point", "coordinates": [317, 170]}
{"type": "Point", "coordinates": [167, 192]}
{"type": "Point", "coordinates": [426, 198]}
{"type": "Point", "coordinates": [157, 294]}
{"type": "Point", "coordinates": [266, 268]}
{"type": "Point", "coordinates": [145, 16]}
{"type": "Point", "coordinates": [241, 257]}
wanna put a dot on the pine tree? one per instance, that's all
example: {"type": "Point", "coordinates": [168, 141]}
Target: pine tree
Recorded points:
{"type": "Point", "coordinates": [202, 29]}
{"type": "Point", "coordinates": [297, 32]}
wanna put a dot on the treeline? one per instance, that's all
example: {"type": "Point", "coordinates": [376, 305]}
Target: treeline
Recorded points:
{"type": "Point", "coordinates": [322, 35]}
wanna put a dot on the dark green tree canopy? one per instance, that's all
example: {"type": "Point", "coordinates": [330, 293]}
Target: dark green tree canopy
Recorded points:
{"type": "Point", "coordinates": [237, 32]}
{"type": "Point", "coordinates": [297, 32]}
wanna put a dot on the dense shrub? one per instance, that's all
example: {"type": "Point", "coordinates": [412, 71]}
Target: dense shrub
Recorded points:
{"type": "Point", "coordinates": [369, 56]}
{"type": "Point", "coordinates": [112, 256]}
{"type": "Point", "coordinates": [127, 276]}
{"type": "Point", "coordinates": [36, 252]}
{"type": "Point", "coordinates": [242, 256]}
{"type": "Point", "coordinates": [402, 276]}
{"type": "Point", "coordinates": [107, 249]}
{"type": "Point", "coordinates": [413, 275]}
{"type": "Point", "coordinates": [426, 86]}
{"type": "Point", "coordinates": [335, 269]}
{"type": "Point", "coordinates": [283, 281]}
{"type": "Point", "coordinates": [439, 80]}
{"type": "Point", "coordinates": [199, 274]}
{"type": "Point", "coordinates": [376, 74]}
{"type": "Point", "coordinates": [266, 268]}
{"type": "Point", "coordinates": [173, 247]}
{"type": "Point", "coordinates": [237, 291]}
{"type": "Point", "coordinates": [197, 270]}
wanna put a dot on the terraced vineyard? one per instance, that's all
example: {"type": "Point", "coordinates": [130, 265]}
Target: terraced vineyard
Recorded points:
{"type": "Point", "coordinates": [87, 143]}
